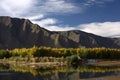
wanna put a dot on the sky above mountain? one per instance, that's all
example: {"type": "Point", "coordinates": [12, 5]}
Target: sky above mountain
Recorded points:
{"type": "Point", "coordinates": [101, 17]}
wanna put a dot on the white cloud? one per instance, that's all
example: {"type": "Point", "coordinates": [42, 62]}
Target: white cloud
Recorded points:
{"type": "Point", "coordinates": [59, 28]}
{"type": "Point", "coordinates": [33, 18]}
{"type": "Point", "coordinates": [15, 8]}
{"type": "Point", "coordinates": [46, 22]}
{"type": "Point", "coordinates": [106, 29]}
{"type": "Point", "coordinates": [90, 3]}
{"type": "Point", "coordinates": [50, 24]}
{"type": "Point", "coordinates": [57, 6]}
{"type": "Point", "coordinates": [28, 8]}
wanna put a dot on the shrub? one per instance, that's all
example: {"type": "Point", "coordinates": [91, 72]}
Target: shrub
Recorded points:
{"type": "Point", "coordinates": [4, 54]}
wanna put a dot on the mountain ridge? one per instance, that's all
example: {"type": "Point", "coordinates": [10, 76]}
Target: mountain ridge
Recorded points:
{"type": "Point", "coordinates": [20, 33]}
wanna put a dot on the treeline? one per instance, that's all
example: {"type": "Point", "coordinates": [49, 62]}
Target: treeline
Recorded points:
{"type": "Point", "coordinates": [84, 53]}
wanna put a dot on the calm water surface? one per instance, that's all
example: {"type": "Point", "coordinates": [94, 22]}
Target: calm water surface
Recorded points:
{"type": "Point", "coordinates": [83, 72]}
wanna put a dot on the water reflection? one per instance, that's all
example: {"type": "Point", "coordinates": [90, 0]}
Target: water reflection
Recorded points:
{"type": "Point", "coordinates": [28, 72]}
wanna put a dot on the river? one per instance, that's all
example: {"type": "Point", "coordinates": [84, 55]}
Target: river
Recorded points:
{"type": "Point", "coordinates": [37, 72]}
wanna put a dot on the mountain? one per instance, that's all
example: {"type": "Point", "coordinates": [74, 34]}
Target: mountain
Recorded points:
{"type": "Point", "coordinates": [19, 33]}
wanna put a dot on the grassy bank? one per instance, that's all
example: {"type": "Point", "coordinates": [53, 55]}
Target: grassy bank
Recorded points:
{"type": "Point", "coordinates": [47, 54]}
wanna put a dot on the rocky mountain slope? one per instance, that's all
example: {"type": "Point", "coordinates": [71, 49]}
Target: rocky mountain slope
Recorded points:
{"type": "Point", "coordinates": [19, 33]}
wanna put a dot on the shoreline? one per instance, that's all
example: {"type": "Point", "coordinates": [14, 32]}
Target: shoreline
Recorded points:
{"type": "Point", "coordinates": [61, 63]}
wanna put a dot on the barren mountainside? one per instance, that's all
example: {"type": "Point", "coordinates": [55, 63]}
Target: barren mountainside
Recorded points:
{"type": "Point", "coordinates": [19, 33]}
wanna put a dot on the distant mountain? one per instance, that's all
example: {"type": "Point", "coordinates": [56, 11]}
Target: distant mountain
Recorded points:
{"type": "Point", "coordinates": [19, 33]}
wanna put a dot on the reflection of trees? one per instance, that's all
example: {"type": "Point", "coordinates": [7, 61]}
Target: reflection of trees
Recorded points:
{"type": "Point", "coordinates": [4, 67]}
{"type": "Point", "coordinates": [49, 70]}
{"type": "Point", "coordinates": [54, 69]}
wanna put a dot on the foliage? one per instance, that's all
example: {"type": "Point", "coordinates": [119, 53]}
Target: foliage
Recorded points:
{"type": "Point", "coordinates": [4, 54]}
{"type": "Point", "coordinates": [84, 53]}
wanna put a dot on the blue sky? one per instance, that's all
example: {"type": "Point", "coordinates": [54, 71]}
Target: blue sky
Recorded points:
{"type": "Point", "coordinates": [101, 17]}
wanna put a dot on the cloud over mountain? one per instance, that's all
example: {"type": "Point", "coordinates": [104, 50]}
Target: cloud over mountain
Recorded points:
{"type": "Point", "coordinates": [108, 29]}
{"type": "Point", "coordinates": [19, 33]}
{"type": "Point", "coordinates": [40, 11]}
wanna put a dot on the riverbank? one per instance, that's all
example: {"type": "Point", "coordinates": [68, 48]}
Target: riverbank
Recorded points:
{"type": "Point", "coordinates": [34, 63]}
{"type": "Point", "coordinates": [63, 62]}
{"type": "Point", "coordinates": [106, 63]}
